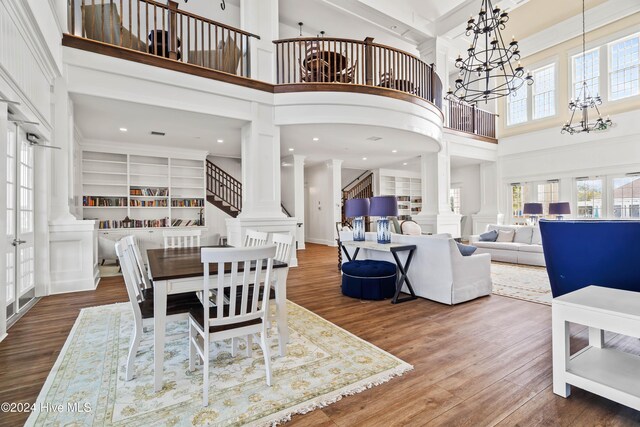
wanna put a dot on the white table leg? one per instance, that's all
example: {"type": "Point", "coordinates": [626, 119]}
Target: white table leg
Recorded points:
{"type": "Point", "coordinates": [281, 305]}
{"type": "Point", "coordinates": [596, 337]}
{"type": "Point", "coordinates": [561, 352]}
{"type": "Point", "coordinates": [159, 322]}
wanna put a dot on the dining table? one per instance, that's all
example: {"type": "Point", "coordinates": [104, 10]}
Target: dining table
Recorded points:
{"type": "Point", "coordinates": [180, 270]}
{"type": "Point", "coordinates": [325, 65]}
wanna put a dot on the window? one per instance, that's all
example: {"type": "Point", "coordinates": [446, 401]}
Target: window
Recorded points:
{"type": "Point", "coordinates": [547, 193]}
{"type": "Point", "coordinates": [454, 200]}
{"type": "Point", "coordinates": [517, 106]}
{"type": "Point", "coordinates": [587, 69]}
{"type": "Point", "coordinates": [626, 197]}
{"type": "Point", "coordinates": [589, 197]}
{"type": "Point", "coordinates": [544, 92]}
{"type": "Point", "coordinates": [624, 57]}
{"type": "Point", "coordinates": [518, 197]}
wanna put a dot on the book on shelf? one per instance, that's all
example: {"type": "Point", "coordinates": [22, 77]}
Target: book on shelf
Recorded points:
{"type": "Point", "coordinates": [149, 191]}
{"type": "Point", "coordinates": [185, 223]}
{"type": "Point", "coordinates": [149, 203]}
{"type": "Point", "coordinates": [133, 223]}
{"type": "Point", "coordinates": [187, 203]}
{"type": "Point", "coordinates": [99, 201]}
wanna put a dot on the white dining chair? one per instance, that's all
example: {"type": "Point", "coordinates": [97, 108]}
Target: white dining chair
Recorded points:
{"type": "Point", "coordinates": [181, 238]}
{"type": "Point", "coordinates": [255, 238]}
{"type": "Point", "coordinates": [248, 304]}
{"type": "Point", "coordinates": [145, 275]}
{"type": "Point", "coordinates": [141, 300]}
{"type": "Point", "coordinates": [284, 246]}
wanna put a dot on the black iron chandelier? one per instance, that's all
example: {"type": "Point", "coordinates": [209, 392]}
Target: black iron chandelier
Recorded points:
{"type": "Point", "coordinates": [585, 101]}
{"type": "Point", "coordinates": [488, 71]}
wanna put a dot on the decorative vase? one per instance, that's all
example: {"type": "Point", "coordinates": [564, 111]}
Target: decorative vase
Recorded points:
{"type": "Point", "coordinates": [384, 233]}
{"type": "Point", "coordinates": [358, 229]}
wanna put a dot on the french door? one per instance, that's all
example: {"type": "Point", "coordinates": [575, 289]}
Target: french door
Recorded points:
{"type": "Point", "coordinates": [20, 256]}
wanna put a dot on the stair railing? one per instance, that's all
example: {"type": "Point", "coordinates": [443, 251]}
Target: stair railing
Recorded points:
{"type": "Point", "coordinates": [360, 188]}
{"type": "Point", "coordinates": [223, 186]}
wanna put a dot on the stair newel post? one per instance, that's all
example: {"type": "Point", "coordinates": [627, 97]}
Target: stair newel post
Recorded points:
{"type": "Point", "coordinates": [368, 61]}
{"type": "Point", "coordinates": [173, 32]}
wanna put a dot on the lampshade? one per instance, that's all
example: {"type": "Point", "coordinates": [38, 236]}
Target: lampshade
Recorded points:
{"type": "Point", "coordinates": [383, 206]}
{"type": "Point", "coordinates": [532, 209]}
{"type": "Point", "coordinates": [559, 208]}
{"type": "Point", "coordinates": [354, 208]}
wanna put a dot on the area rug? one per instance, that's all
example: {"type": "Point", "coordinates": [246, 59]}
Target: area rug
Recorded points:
{"type": "Point", "coordinates": [323, 363]}
{"type": "Point", "coordinates": [523, 282]}
{"type": "Point", "coordinates": [109, 270]}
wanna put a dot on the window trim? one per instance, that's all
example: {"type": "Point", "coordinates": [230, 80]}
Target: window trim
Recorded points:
{"type": "Point", "coordinates": [555, 92]}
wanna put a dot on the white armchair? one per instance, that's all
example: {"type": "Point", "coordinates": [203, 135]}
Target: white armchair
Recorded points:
{"type": "Point", "coordinates": [438, 271]}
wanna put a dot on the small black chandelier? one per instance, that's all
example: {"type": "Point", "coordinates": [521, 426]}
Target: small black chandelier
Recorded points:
{"type": "Point", "coordinates": [585, 101]}
{"type": "Point", "coordinates": [488, 73]}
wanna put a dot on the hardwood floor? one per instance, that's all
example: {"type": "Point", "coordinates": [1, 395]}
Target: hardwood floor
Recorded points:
{"type": "Point", "coordinates": [482, 363]}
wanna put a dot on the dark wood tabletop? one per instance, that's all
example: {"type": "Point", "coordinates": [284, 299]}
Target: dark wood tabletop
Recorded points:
{"type": "Point", "coordinates": [180, 263]}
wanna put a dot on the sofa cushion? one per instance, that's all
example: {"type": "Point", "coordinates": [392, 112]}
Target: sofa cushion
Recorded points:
{"type": "Point", "coordinates": [536, 238]}
{"type": "Point", "coordinates": [466, 250]}
{"type": "Point", "coordinates": [505, 235]}
{"type": "Point", "coordinates": [509, 246]}
{"type": "Point", "coordinates": [523, 235]}
{"type": "Point", "coordinates": [489, 236]}
{"type": "Point", "coordinates": [531, 248]}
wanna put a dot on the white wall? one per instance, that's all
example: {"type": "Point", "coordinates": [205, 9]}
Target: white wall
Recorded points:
{"type": "Point", "coordinates": [215, 219]}
{"type": "Point", "coordinates": [467, 178]}
{"type": "Point", "coordinates": [287, 186]}
{"type": "Point", "coordinates": [320, 200]}
{"type": "Point", "coordinates": [348, 175]}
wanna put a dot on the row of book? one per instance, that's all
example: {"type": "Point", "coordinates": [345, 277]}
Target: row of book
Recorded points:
{"type": "Point", "coordinates": [185, 223]}
{"type": "Point", "coordinates": [149, 192]}
{"type": "Point", "coordinates": [134, 223]}
{"type": "Point", "coordinates": [149, 203]}
{"type": "Point", "coordinates": [104, 201]}
{"type": "Point", "coordinates": [187, 203]}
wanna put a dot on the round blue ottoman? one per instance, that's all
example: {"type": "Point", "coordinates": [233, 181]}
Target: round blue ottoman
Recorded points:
{"type": "Point", "coordinates": [369, 279]}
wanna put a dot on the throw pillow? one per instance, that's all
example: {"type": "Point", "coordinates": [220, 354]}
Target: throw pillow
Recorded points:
{"type": "Point", "coordinates": [489, 236]}
{"type": "Point", "coordinates": [466, 250]}
{"type": "Point", "coordinates": [505, 235]}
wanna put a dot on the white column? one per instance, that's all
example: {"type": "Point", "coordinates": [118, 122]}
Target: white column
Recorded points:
{"type": "Point", "coordinates": [436, 215]}
{"type": "Point", "coordinates": [3, 219]}
{"type": "Point", "coordinates": [437, 51]}
{"type": "Point", "coordinates": [336, 195]}
{"type": "Point", "coordinates": [298, 191]}
{"type": "Point", "coordinates": [260, 17]}
{"type": "Point", "coordinates": [261, 190]}
{"type": "Point", "coordinates": [489, 212]}
{"type": "Point", "coordinates": [72, 243]}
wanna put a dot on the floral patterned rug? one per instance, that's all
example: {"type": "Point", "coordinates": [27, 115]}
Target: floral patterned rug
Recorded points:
{"type": "Point", "coordinates": [86, 385]}
{"type": "Point", "coordinates": [525, 282]}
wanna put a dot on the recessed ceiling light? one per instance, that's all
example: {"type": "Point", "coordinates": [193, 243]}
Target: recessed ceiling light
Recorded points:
{"type": "Point", "coordinates": [364, 158]}
{"type": "Point", "coordinates": [394, 151]}
{"type": "Point", "coordinates": [220, 141]}
{"type": "Point", "coordinates": [316, 139]}
{"type": "Point", "coordinates": [123, 129]}
{"type": "Point", "coordinates": [404, 164]}
{"type": "Point", "coordinates": [290, 149]}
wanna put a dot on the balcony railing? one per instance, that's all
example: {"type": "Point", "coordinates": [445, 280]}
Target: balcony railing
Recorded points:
{"type": "Point", "coordinates": [332, 60]}
{"type": "Point", "coordinates": [162, 30]}
{"type": "Point", "coordinates": [470, 119]}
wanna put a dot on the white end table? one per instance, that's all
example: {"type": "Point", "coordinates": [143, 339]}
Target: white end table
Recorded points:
{"type": "Point", "coordinates": [604, 371]}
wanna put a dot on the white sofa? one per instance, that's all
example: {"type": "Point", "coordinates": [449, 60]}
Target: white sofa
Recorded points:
{"type": "Point", "coordinates": [438, 271]}
{"type": "Point", "coordinates": [526, 247]}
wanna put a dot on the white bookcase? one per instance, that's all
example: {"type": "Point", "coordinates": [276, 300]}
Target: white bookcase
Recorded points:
{"type": "Point", "coordinates": [131, 191]}
{"type": "Point", "coordinates": [406, 187]}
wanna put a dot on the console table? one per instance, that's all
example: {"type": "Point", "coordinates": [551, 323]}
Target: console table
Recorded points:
{"type": "Point", "coordinates": [604, 371]}
{"type": "Point", "coordinates": [393, 248]}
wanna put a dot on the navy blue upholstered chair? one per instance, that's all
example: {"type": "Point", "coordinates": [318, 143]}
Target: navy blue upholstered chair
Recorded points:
{"type": "Point", "coordinates": [583, 253]}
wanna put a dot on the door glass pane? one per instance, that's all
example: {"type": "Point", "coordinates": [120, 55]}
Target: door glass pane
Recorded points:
{"type": "Point", "coordinates": [26, 189]}
{"type": "Point", "coordinates": [626, 197]}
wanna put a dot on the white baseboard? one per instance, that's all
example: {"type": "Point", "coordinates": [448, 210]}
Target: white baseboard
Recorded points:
{"type": "Point", "coordinates": [321, 242]}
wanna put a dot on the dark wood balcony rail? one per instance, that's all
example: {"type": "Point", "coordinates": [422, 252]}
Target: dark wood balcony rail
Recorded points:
{"type": "Point", "coordinates": [333, 60]}
{"type": "Point", "coordinates": [163, 30]}
{"type": "Point", "coordinates": [223, 186]}
{"type": "Point", "coordinates": [470, 119]}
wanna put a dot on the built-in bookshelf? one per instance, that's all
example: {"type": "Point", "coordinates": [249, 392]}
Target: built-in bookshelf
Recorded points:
{"type": "Point", "coordinates": [407, 189]}
{"type": "Point", "coordinates": [135, 191]}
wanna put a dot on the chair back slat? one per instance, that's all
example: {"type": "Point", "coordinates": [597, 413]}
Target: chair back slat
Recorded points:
{"type": "Point", "coordinates": [181, 238]}
{"type": "Point", "coordinates": [255, 238]}
{"type": "Point", "coordinates": [123, 252]}
{"type": "Point", "coordinates": [140, 270]}
{"type": "Point", "coordinates": [284, 245]}
{"type": "Point", "coordinates": [253, 281]}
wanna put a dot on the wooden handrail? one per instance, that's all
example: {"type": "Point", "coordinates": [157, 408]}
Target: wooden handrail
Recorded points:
{"type": "Point", "coordinates": [223, 186]}
{"type": "Point", "coordinates": [164, 30]}
{"type": "Point", "coordinates": [355, 62]}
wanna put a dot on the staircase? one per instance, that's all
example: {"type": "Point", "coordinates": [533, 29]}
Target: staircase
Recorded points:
{"type": "Point", "coordinates": [223, 190]}
{"type": "Point", "coordinates": [359, 188]}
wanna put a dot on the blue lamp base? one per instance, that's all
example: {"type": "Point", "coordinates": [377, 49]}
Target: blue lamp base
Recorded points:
{"type": "Point", "coordinates": [384, 233]}
{"type": "Point", "coordinates": [358, 229]}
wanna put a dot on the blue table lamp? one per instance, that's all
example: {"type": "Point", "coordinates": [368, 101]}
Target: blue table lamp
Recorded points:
{"type": "Point", "coordinates": [559, 209]}
{"type": "Point", "coordinates": [357, 209]}
{"type": "Point", "coordinates": [383, 207]}
{"type": "Point", "coordinates": [533, 210]}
